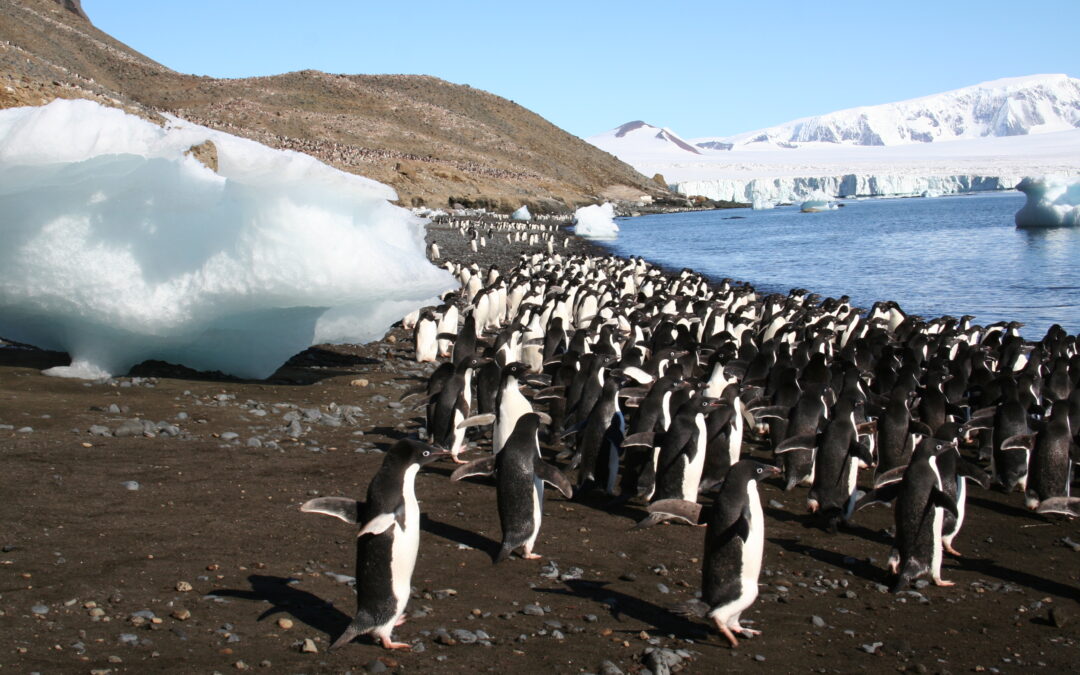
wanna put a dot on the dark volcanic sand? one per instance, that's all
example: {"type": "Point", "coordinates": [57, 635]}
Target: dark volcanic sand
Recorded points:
{"type": "Point", "coordinates": [223, 517]}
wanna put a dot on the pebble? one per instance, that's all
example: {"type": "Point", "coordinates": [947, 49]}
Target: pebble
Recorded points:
{"type": "Point", "coordinates": [775, 504]}
{"type": "Point", "coordinates": [532, 610]}
{"type": "Point", "coordinates": [25, 430]}
{"type": "Point", "coordinates": [871, 647]}
{"type": "Point", "coordinates": [99, 430]}
{"type": "Point", "coordinates": [183, 586]}
{"type": "Point", "coordinates": [229, 436]}
{"type": "Point", "coordinates": [609, 668]}
{"type": "Point", "coordinates": [465, 637]}
{"type": "Point", "coordinates": [128, 639]}
{"type": "Point", "coordinates": [284, 624]}
{"type": "Point", "coordinates": [309, 647]}
{"type": "Point", "coordinates": [181, 614]}
{"type": "Point", "coordinates": [662, 588]}
{"type": "Point", "coordinates": [817, 621]}
{"type": "Point", "coordinates": [132, 485]}
{"type": "Point", "coordinates": [375, 666]}
{"type": "Point", "coordinates": [40, 610]}
{"type": "Point", "coordinates": [359, 382]}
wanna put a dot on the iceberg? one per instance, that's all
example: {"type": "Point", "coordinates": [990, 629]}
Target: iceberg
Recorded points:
{"type": "Point", "coordinates": [521, 214]}
{"type": "Point", "coordinates": [117, 245]}
{"type": "Point", "coordinates": [596, 221]}
{"type": "Point", "coordinates": [818, 201]}
{"type": "Point", "coordinates": [1052, 201]}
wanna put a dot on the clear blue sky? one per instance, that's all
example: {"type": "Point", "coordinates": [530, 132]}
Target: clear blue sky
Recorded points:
{"type": "Point", "coordinates": [700, 68]}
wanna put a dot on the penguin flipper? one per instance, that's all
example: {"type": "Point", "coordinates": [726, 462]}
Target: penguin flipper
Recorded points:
{"type": "Point", "coordinates": [862, 452]}
{"type": "Point", "coordinates": [773, 412]}
{"type": "Point", "coordinates": [550, 393]}
{"type": "Point", "coordinates": [553, 477]}
{"type": "Point", "coordinates": [1019, 442]}
{"type": "Point", "coordinates": [379, 524]}
{"type": "Point", "coordinates": [638, 375]}
{"type": "Point", "coordinates": [891, 476]}
{"type": "Point", "coordinates": [944, 501]}
{"type": "Point", "coordinates": [485, 466]}
{"type": "Point", "coordinates": [341, 508]}
{"type": "Point", "coordinates": [880, 495]}
{"type": "Point", "coordinates": [1068, 506]}
{"type": "Point", "coordinates": [477, 421]}
{"type": "Point", "coordinates": [804, 442]}
{"type": "Point", "coordinates": [645, 439]}
{"type": "Point", "coordinates": [680, 509]}
{"type": "Point", "coordinates": [975, 473]}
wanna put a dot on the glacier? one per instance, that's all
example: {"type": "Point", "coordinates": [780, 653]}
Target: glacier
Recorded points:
{"type": "Point", "coordinates": [795, 189]}
{"type": "Point", "coordinates": [596, 221]}
{"type": "Point", "coordinates": [1052, 201]}
{"type": "Point", "coordinates": [118, 246]}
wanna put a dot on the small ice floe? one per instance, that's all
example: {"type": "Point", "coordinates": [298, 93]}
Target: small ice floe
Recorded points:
{"type": "Point", "coordinates": [1052, 201]}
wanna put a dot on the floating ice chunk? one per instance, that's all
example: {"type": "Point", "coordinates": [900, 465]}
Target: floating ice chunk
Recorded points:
{"type": "Point", "coordinates": [818, 201]}
{"type": "Point", "coordinates": [596, 222]}
{"type": "Point", "coordinates": [117, 247]}
{"type": "Point", "coordinates": [762, 204]}
{"type": "Point", "coordinates": [1052, 201]}
{"type": "Point", "coordinates": [521, 214]}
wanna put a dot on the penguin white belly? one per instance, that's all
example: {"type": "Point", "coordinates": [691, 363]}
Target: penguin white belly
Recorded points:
{"type": "Point", "coordinates": [694, 468]}
{"type": "Point", "coordinates": [537, 512]}
{"type": "Point", "coordinates": [754, 545]}
{"type": "Point", "coordinates": [961, 501]}
{"type": "Point", "coordinates": [939, 520]}
{"type": "Point", "coordinates": [403, 552]}
{"type": "Point", "coordinates": [426, 344]}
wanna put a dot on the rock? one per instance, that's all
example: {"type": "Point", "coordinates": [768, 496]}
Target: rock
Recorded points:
{"type": "Point", "coordinates": [183, 586]}
{"type": "Point", "coordinates": [132, 485]}
{"type": "Point", "coordinates": [99, 430]}
{"type": "Point", "coordinates": [871, 647]}
{"type": "Point", "coordinates": [128, 639]}
{"type": "Point", "coordinates": [609, 668]}
{"type": "Point", "coordinates": [817, 621]}
{"type": "Point", "coordinates": [129, 428]}
{"type": "Point", "coordinates": [1060, 617]}
{"type": "Point", "coordinates": [229, 436]}
{"type": "Point", "coordinates": [359, 382]}
{"type": "Point", "coordinates": [532, 610]}
{"type": "Point", "coordinates": [465, 637]}
{"type": "Point", "coordinates": [375, 666]}
{"type": "Point", "coordinates": [40, 610]}
{"type": "Point", "coordinates": [181, 614]}
{"type": "Point", "coordinates": [284, 624]}
{"type": "Point", "coordinates": [205, 153]}
{"type": "Point", "coordinates": [309, 647]}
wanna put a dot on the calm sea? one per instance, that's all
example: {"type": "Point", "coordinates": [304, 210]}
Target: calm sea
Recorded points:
{"type": "Point", "coordinates": [946, 255]}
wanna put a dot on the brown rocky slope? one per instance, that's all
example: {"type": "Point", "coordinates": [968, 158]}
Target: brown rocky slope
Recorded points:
{"type": "Point", "coordinates": [435, 142]}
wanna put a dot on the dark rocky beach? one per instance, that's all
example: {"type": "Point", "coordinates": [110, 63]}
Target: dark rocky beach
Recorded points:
{"type": "Point", "coordinates": [152, 524]}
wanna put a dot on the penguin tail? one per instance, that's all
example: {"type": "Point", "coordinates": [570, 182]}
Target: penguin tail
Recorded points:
{"type": "Point", "coordinates": [502, 554]}
{"type": "Point", "coordinates": [695, 608]}
{"type": "Point", "coordinates": [350, 633]}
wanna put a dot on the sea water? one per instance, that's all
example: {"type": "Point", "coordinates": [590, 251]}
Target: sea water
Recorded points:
{"type": "Point", "coordinates": [939, 256]}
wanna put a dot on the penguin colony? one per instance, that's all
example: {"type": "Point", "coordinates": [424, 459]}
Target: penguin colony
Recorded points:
{"type": "Point", "coordinates": [604, 375]}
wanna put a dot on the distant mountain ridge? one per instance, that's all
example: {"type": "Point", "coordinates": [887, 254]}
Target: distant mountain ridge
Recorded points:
{"type": "Point", "coordinates": [436, 143]}
{"type": "Point", "coordinates": [1006, 107]}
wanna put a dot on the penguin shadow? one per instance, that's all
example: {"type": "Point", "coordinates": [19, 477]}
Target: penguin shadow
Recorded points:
{"type": "Point", "coordinates": [860, 568]}
{"type": "Point", "coordinates": [284, 598]}
{"type": "Point", "coordinates": [615, 506]}
{"type": "Point", "coordinates": [1004, 508]}
{"type": "Point", "coordinates": [619, 604]}
{"type": "Point", "coordinates": [1044, 586]}
{"type": "Point", "coordinates": [459, 535]}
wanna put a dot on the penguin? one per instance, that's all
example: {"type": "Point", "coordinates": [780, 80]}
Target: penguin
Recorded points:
{"type": "Point", "coordinates": [920, 503]}
{"type": "Point", "coordinates": [387, 542]}
{"type": "Point", "coordinates": [955, 472]}
{"type": "Point", "coordinates": [451, 407]}
{"type": "Point", "coordinates": [1051, 467]}
{"type": "Point", "coordinates": [681, 456]}
{"type": "Point", "coordinates": [520, 474]}
{"type": "Point", "coordinates": [425, 335]}
{"type": "Point", "coordinates": [734, 541]}
{"type": "Point", "coordinates": [597, 453]}
{"type": "Point", "coordinates": [836, 464]}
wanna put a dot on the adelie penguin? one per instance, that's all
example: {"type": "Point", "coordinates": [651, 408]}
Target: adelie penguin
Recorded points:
{"type": "Point", "coordinates": [734, 542]}
{"type": "Point", "coordinates": [520, 475]}
{"type": "Point", "coordinates": [919, 511]}
{"type": "Point", "coordinates": [387, 542]}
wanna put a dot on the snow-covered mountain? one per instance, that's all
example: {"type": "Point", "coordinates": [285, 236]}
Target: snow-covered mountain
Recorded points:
{"type": "Point", "coordinates": [982, 137]}
{"type": "Point", "coordinates": [639, 138]}
{"type": "Point", "coordinates": [1013, 106]}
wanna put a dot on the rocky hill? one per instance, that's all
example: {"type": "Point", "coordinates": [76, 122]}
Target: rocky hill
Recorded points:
{"type": "Point", "coordinates": [435, 142]}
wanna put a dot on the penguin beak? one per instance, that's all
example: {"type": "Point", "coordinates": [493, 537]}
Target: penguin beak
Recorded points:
{"type": "Point", "coordinates": [434, 455]}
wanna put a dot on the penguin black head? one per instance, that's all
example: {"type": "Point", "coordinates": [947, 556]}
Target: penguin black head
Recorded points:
{"type": "Point", "coordinates": [407, 452]}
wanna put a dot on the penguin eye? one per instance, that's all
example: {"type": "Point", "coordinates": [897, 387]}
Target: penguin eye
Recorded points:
{"type": "Point", "coordinates": [758, 469]}
{"type": "Point", "coordinates": [426, 453]}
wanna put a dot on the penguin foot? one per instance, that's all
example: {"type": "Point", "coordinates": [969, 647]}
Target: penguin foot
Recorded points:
{"type": "Point", "coordinates": [531, 556]}
{"type": "Point", "coordinates": [728, 634]}
{"type": "Point", "coordinates": [952, 551]}
{"type": "Point", "coordinates": [401, 619]}
{"type": "Point", "coordinates": [943, 582]}
{"type": "Point", "coordinates": [458, 461]}
{"type": "Point", "coordinates": [387, 643]}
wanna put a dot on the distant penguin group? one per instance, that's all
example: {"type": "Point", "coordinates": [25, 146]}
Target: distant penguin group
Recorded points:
{"type": "Point", "coordinates": [609, 378]}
